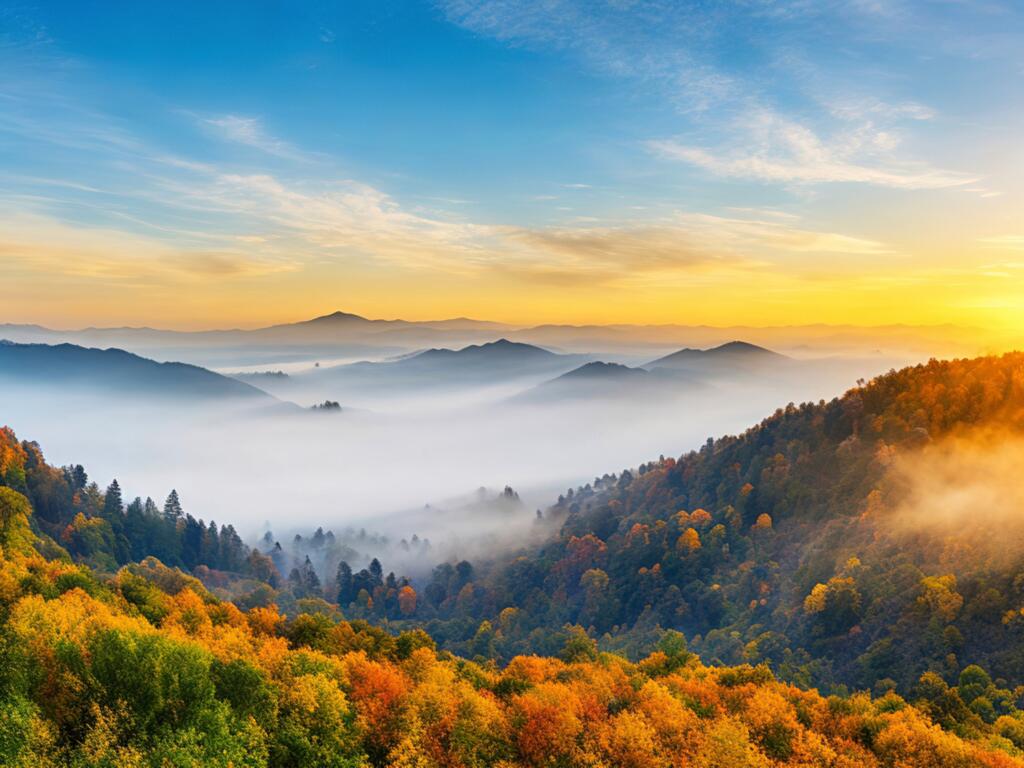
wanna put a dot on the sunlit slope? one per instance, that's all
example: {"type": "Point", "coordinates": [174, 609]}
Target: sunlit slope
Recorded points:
{"type": "Point", "coordinates": [149, 669]}
{"type": "Point", "coordinates": [863, 541]}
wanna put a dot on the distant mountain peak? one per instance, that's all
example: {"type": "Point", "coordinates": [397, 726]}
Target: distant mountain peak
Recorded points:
{"type": "Point", "coordinates": [337, 316]}
{"type": "Point", "coordinates": [741, 347]}
{"type": "Point", "coordinates": [602, 370]}
{"type": "Point", "coordinates": [504, 343]}
{"type": "Point", "coordinates": [491, 349]}
{"type": "Point", "coordinates": [735, 351]}
{"type": "Point", "coordinates": [593, 379]}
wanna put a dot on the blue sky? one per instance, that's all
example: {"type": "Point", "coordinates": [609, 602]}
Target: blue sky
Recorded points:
{"type": "Point", "coordinates": [568, 155]}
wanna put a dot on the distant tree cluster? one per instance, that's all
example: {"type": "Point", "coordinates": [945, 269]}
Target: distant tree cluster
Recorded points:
{"type": "Point", "coordinates": [327, 405]}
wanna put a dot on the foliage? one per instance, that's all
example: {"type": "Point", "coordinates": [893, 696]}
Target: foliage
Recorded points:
{"type": "Point", "coordinates": [775, 551]}
{"type": "Point", "coordinates": [784, 545]}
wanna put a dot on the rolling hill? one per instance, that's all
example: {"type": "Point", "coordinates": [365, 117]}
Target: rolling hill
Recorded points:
{"type": "Point", "coordinates": [866, 541]}
{"type": "Point", "coordinates": [149, 666]}
{"type": "Point", "coordinates": [601, 371]}
{"type": "Point", "coordinates": [598, 380]}
{"type": "Point", "coordinates": [739, 355]}
{"type": "Point", "coordinates": [77, 369]}
{"type": "Point", "coordinates": [495, 362]}
{"type": "Point", "coordinates": [500, 353]}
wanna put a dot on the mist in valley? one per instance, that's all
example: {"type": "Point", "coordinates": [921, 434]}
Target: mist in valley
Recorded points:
{"type": "Point", "coordinates": [961, 499]}
{"type": "Point", "coordinates": [412, 452]}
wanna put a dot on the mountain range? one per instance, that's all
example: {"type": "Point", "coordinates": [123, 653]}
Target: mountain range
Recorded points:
{"type": "Point", "coordinates": [500, 363]}
{"type": "Point", "coordinates": [672, 376]}
{"type": "Point", "coordinates": [490, 362]}
{"type": "Point", "coordinates": [733, 354]}
{"type": "Point", "coordinates": [342, 336]}
{"type": "Point", "coordinates": [540, 375]}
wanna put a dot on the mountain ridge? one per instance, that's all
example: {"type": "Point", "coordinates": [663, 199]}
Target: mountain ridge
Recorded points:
{"type": "Point", "coordinates": [785, 544]}
{"type": "Point", "coordinates": [736, 351]}
{"type": "Point", "coordinates": [116, 370]}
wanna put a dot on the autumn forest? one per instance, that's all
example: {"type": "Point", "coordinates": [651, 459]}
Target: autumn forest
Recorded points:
{"type": "Point", "coordinates": [764, 600]}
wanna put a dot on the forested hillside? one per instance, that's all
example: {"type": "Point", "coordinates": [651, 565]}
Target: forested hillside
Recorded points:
{"type": "Point", "coordinates": [103, 530]}
{"type": "Point", "coordinates": [869, 543]}
{"type": "Point", "coordinates": [860, 542]}
{"type": "Point", "coordinates": [147, 668]}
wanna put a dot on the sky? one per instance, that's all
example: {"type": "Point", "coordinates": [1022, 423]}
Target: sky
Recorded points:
{"type": "Point", "coordinates": [762, 162]}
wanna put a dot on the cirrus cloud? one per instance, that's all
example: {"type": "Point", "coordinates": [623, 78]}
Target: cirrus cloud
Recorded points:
{"type": "Point", "coordinates": [776, 149]}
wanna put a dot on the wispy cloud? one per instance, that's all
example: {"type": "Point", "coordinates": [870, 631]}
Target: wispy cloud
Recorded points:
{"type": "Point", "coordinates": [769, 147]}
{"type": "Point", "coordinates": [250, 132]}
{"type": "Point", "coordinates": [263, 225]}
{"type": "Point", "coordinates": [615, 38]}
{"type": "Point", "coordinates": [772, 236]}
{"type": "Point", "coordinates": [804, 168]}
{"type": "Point", "coordinates": [169, 216]}
{"type": "Point", "coordinates": [141, 211]}
{"type": "Point", "coordinates": [797, 117]}
{"type": "Point", "coordinates": [43, 244]}
{"type": "Point", "coordinates": [860, 108]}
{"type": "Point", "coordinates": [347, 219]}
{"type": "Point", "coordinates": [681, 247]}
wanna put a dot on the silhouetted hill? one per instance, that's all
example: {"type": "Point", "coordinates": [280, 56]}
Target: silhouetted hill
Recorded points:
{"type": "Point", "coordinates": [500, 352]}
{"type": "Point", "coordinates": [339, 318]}
{"type": "Point", "coordinates": [114, 371]}
{"type": "Point", "coordinates": [737, 353]}
{"type": "Point", "coordinates": [598, 380]}
{"type": "Point", "coordinates": [480, 364]}
{"type": "Point", "coordinates": [601, 371]}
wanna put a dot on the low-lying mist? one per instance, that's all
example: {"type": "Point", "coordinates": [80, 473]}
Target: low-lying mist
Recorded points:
{"type": "Point", "coordinates": [408, 471]}
{"type": "Point", "coordinates": [965, 495]}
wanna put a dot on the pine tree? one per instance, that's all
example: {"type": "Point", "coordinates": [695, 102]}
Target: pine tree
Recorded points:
{"type": "Point", "coordinates": [192, 542]}
{"type": "Point", "coordinates": [113, 513]}
{"type": "Point", "coordinates": [211, 547]}
{"type": "Point", "coordinates": [137, 529]}
{"type": "Point", "coordinates": [232, 549]}
{"type": "Point", "coordinates": [303, 581]}
{"type": "Point", "coordinates": [377, 572]}
{"type": "Point", "coordinates": [113, 504]}
{"type": "Point", "coordinates": [310, 581]}
{"type": "Point", "coordinates": [172, 507]}
{"type": "Point", "coordinates": [278, 556]}
{"type": "Point", "coordinates": [344, 583]}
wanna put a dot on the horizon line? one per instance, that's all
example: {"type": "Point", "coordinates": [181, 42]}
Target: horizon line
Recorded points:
{"type": "Point", "coordinates": [506, 325]}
